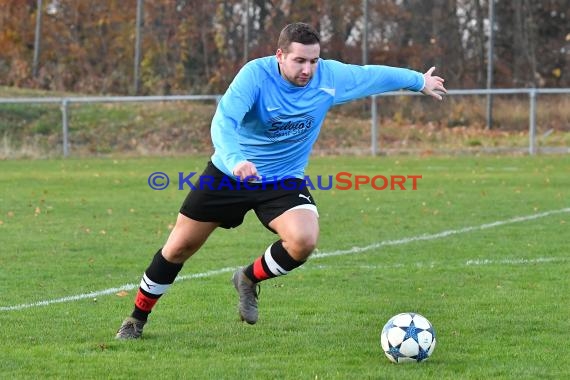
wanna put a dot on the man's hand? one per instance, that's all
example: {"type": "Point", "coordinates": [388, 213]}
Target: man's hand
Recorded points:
{"type": "Point", "coordinates": [433, 85]}
{"type": "Point", "coordinates": [245, 170]}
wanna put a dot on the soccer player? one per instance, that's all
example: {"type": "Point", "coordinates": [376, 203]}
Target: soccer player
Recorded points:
{"type": "Point", "coordinates": [263, 131]}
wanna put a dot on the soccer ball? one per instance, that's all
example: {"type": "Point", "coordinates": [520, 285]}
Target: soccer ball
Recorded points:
{"type": "Point", "coordinates": [408, 337]}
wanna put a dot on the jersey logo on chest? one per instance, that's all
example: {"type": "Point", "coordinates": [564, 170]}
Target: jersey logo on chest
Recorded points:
{"type": "Point", "coordinates": [290, 129]}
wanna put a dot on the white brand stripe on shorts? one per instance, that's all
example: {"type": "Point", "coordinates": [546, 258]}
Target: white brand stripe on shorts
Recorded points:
{"type": "Point", "coordinates": [272, 264]}
{"type": "Point", "coordinates": [311, 207]}
{"type": "Point", "coordinates": [152, 287]}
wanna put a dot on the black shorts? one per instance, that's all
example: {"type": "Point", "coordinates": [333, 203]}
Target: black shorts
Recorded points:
{"type": "Point", "coordinates": [219, 198]}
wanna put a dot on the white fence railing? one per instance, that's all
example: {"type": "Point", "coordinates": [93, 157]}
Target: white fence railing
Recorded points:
{"type": "Point", "coordinates": [66, 101]}
{"type": "Point", "coordinates": [531, 92]}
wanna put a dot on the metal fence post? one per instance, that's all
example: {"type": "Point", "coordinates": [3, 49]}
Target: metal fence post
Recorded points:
{"type": "Point", "coordinates": [138, 41]}
{"type": "Point", "coordinates": [65, 129]}
{"type": "Point", "coordinates": [374, 127]}
{"type": "Point", "coordinates": [37, 39]}
{"type": "Point", "coordinates": [490, 63]}
{"type": "Point", "coordinates": [532, 123]}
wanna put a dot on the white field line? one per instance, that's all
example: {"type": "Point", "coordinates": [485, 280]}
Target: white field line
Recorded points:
{"type": "Point", "coordinates": [435, 264]}
{"type": "Point", "coordinates": [319, 255]}
{"type": "Point", "coordinates": [439, 235]}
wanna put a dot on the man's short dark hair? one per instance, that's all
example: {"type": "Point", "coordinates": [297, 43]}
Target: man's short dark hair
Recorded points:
{"type": "Point", "coordinates": [297, 32]}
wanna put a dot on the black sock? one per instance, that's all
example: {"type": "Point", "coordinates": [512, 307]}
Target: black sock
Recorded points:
{"type": "Point", "coordinates": [156, 280]}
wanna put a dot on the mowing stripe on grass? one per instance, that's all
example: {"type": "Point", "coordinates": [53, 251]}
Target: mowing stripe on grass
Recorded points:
{"type": "Point", "coordinates": [353, 250]}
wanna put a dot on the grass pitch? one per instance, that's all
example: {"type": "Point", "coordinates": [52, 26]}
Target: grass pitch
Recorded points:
{"type": "Point", "coordinates": [480, 249]}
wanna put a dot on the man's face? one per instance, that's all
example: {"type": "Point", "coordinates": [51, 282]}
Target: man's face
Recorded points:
{"type": "Point", "coordinates": [299, 63]}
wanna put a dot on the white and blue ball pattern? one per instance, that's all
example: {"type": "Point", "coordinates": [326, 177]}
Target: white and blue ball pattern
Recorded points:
{"type": "Point", "coordinates": [408, 337]}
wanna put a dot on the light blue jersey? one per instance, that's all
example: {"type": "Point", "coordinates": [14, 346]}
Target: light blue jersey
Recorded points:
{"type": "Point", "coordinates": [265, 119]}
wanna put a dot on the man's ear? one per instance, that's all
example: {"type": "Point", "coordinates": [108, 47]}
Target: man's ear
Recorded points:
{"type": "Point", "coordinates": [279, 54]}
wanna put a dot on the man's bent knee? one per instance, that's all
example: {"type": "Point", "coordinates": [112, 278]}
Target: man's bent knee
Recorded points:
{"type": "Point", "coordinates": [179, 253]}
{"type": "Point", "coordinates": [301, 247]}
